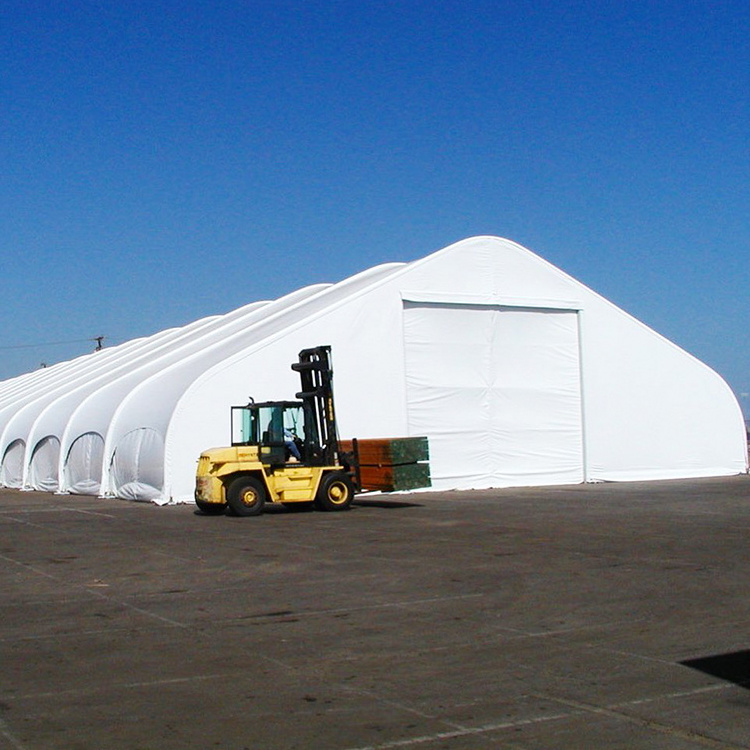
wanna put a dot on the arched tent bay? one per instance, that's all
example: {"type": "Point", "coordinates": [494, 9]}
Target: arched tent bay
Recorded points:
{"type": "Point", "coordinates": [20, 410]}
{"type": "Point", "coordinates": [52, 413]}
{"type": "Point", "coordinates": [94, 407]}
{"type": "Point", "coordinates": [43, 411]}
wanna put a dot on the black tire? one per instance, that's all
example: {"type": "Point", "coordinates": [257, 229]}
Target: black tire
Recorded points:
{"type": "Point", "coordinates": [210, 509]}
{"type": "Point", "coordinates": [246, 496]}
{"type": "Point", "coordinates": [336, 492]}
{"type": "Point", "coordinates": [300, 507]}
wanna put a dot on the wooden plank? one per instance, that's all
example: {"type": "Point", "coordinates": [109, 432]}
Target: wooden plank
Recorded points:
{"type": "Point", "coordinates": [389, 451]}
{"type": "Point", "coordinates": [394, 478]}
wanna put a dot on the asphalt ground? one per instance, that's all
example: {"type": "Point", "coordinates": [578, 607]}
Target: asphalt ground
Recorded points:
{"type": "Point", "coordinates": [535, 618]}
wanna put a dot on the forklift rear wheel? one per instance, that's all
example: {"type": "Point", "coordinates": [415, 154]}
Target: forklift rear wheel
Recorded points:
{"type": "Point", "coordinates": [336, 492]}
{"type": "Point", "coordinates": [246, 496]}
{"type": "Point", "coordinates": [210, 509]}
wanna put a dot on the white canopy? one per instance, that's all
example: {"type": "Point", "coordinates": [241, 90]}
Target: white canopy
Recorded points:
{"type": "Point", "coordinates": [517, 373]}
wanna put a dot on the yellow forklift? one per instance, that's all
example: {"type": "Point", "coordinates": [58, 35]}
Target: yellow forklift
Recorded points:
{"type": "Point", "coordinates": [282, 452]}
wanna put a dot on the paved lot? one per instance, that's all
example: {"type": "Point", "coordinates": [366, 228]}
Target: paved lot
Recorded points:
{"type": "Point", "coordinates": [534, 618]}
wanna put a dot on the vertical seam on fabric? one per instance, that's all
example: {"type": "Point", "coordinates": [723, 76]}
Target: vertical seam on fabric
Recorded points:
{"type": "Point", "coordinates": [582, 396]}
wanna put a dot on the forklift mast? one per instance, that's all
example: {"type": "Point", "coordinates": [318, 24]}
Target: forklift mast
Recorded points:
{"type": "Point", "coordinates": [316, 376]}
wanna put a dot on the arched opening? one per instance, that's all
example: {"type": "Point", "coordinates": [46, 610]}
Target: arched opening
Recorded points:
{"type": "Point", "coordinates": [137, 467]}
{"type": "Point", "coordinates": [83, 465]}
{"type": "Point", "coordinates": [11, 471]}
{"type": "Point", "coordinates": [43, 469]}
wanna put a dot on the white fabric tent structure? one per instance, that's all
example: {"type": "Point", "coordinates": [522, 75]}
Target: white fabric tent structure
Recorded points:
{"type": "Point", "coordinates": [517, 373]}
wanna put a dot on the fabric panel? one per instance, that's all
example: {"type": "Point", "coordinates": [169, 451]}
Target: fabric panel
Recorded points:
{"type": "Point", "coordinates": [497, 391]}
{"type": "Point", "coordinates": [11, 472]}
{"type": "Point", "coordinates": [83, 466]}
{"type": "Point", "coordinates": [138, 465]}
{"type": "Point", "coordinates": [43, 469]}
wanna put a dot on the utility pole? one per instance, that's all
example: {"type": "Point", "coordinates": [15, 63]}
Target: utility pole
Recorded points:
{"type": "Point", "coordinates": [98, 340]}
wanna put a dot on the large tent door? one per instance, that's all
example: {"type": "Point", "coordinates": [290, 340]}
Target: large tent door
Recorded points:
{"type": "Point", "coordinates": [498, 392]}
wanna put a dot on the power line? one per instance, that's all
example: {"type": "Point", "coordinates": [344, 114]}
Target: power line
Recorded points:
{"type": "Point", "coordinates": [98, 339]}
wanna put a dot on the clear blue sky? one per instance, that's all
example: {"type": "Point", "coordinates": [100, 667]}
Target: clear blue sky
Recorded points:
{"type": "Point", "coordinates": [163, 161]}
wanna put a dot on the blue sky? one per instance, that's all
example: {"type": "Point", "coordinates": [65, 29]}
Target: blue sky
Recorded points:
{"type": "Point", "coordinates": [163, 161]}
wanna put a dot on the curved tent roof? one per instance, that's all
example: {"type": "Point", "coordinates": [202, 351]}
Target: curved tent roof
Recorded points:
{"type": "Point", "coordinates": [517, 373]}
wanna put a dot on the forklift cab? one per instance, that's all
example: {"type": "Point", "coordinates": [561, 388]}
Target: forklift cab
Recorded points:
{"type": "Point", "coordinates": [280, 429]}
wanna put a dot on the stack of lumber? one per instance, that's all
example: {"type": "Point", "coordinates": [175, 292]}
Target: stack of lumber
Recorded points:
{"type": "Point", "coordinates": [390, 464]}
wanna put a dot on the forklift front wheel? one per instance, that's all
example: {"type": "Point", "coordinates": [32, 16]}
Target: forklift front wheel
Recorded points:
{"type": "Point", "coordinates": [246, 496]}
{"type": "Point", "coordinates": [336, 492]}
